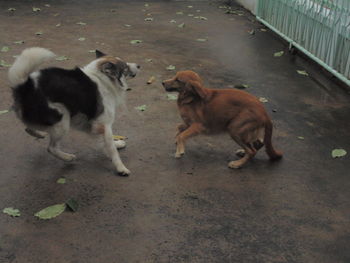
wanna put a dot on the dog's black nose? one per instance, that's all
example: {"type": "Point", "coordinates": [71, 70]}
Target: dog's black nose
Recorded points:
{"type": "Point", "coordinates": [163, 83]}
{"type": "Point", "coordinates": [138, 66]}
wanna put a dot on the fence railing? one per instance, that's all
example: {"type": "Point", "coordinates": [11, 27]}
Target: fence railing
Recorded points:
{"type": "Point", "coordinates": [319, 28]}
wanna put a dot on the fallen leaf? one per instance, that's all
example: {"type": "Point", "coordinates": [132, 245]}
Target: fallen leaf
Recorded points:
{"type": "Point", "coordinates": [3, 111]}
{"type": "Point", "coordinates": [5, 49]}
{"type": "Point", "coordinates": [4, 64]}
{"type": "Point", "coordinates": [148, 19]}
{"type": "Point", "coordinates": [82, 39]}
{"type": "Point", "coordinates": [146, 5]}
{"type": "Point", "coordinates": [47, 5]}
{"type": "Point", "coordinates": [203, 18]}
{"type": "Point", "coordinates": [190, 14]}
{"type": "Point", "coordinates": [126, 25]}
{"type": "Point", "coordinates": [182, 25]}
{"type": "Point", "coordinates": [51, 211]}
{"type": "Point", "coordinates": [278, 54]}
{"type": "Point", "coordinates": [172, 21]}
{"type": "Point", "coordinates": [202, 39]}
{"type": "Point", "coordinates": [241, 86]}
{"type": "Point", "coordinates": [189, 6]}
{"type": "Point", "coordinates": [92, 51]}
{"type": "Point", "coordinates": [81, 23]}
{"type": "Point", "coordinates": [11, 9]}
{"type": "Point", "coordinates": [57, 14]}
{"type": "Point", "coordinates": [151, 80]}
{"type": "Point", "coordinates": [58, 25]}
{"type": "Point", "coordinates": [11, 211]}
{"type": "Point", "coordinates": [136, 41]}
{"type": "Point", "coordinates": [141, 108]}
{"type": "Point", "coordinates": [72, 204]}
{"type": "Point", "coordinates": [263, 29]}
{"type": "Point", "coordinates": [170, 67]}
{"type": "Point", "coordinates": [300, 137]}
{"type": "Point", "coordinates": [118, 137]}
{"type": "Point", "coordinates": [198, 10]}
{"type": "Point", "coordinates": [171, 96]}
{"type": "Point", "coordinates": [264, 100]}
{"type": "Point", "coordinates": [38, 33]}
{"type": "Point", "coordinates": [223, 7]}
{"type": "Point", "coordinates": [61, 180]}
{"type": "Point", "coordinates": [36, 9]}
{"type": "Point", "coordinates": [303, 72]}
{"type": "Point", "coordinates": [62, 58]}
{"type": "Point", "coordinates": [180, 13]}
{"type": "Point", "coordinates": [336, 153]}
{"type": "Point", "coordinates": [148, 60]}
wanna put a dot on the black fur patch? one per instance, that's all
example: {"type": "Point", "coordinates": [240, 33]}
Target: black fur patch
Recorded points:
{"type": "Point", "coordinates": [72, 88]}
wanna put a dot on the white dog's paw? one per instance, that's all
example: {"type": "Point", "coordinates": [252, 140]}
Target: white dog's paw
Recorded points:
{"type": "Point", "coordinates": [120, 144]}
{"type": "Point", "coordinates": [123, 171]}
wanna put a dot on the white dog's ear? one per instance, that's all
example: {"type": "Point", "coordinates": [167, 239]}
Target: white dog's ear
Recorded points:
{"type": "Point", "coordinates": [99, 54]}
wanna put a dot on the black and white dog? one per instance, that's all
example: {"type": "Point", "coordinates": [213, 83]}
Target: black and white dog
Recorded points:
{"type": "Point", "coordinates": [54, 99]}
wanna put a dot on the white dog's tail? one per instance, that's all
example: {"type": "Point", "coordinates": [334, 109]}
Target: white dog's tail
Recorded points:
{"type": "Point", "coordinates": [28, 62]}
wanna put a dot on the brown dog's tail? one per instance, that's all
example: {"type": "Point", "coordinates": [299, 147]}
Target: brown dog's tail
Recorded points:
{"type": "Point", "coordinates": [271, 152]}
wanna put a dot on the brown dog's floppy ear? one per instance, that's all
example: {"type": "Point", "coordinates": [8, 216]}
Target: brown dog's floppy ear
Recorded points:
{"type": "Point", "coordinates": [99, 54]}
{"type": "Point", "coordinates": [197, 89]}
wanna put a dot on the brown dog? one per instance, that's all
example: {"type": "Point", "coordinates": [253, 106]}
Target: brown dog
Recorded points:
{"type": "Point", "coordinates": [206, 110]}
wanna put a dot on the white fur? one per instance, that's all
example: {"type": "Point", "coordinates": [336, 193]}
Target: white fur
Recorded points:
{"type": "Point", "coordinates": [111, 92]}
{"type": "Point", "coordinates": [27, 62]}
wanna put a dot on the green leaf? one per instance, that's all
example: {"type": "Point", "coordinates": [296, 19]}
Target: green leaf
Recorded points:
{"type": "Point", "coordinates": [61, 180]}
{"type": "Point", "coordinates": [171, 96]}
{"type": "Point", "coordinates": [36, 9]}
{"type": "Point", "coordinates": [180, 13]}
{"type": "Point", "coordinates": [262, 99]}
{"type": "Point", "coordinates": [263, 29]}
{"type": "Point", "coordinates": [336, 153]}
{"type": "Point", "coordinates": [81, 38]}
{"type": "Point", "coordinates": [148, 60]}
{"type": "Point", "coordinates": [170, 67]}
{"type": "Point", "coordinates": [126, 25]}
{"type": "Point", "coordinates": [189, 6]}
{"type": "Point", "coordinates": [300, 137]}
{"type": "Point", "coordinates": [202, 39]}
{"type": "Point", "coordinates": [278, 54]}
{"type": "Point", "coordinates": [173, 21]}
{"type": "Point", "coordinates": [223, 7]}
{"type": "Point", "coordinates": [3, 111]}
{"type": "Point", "coordinates": [62, 58]}
{"type": "Point", "coordinates": [11, 9]}
{"type": "Point", "coordinates": [72, 204]}
{"type": "Point", "coordinates": [136, 41]}
{"type": "Point", "coordinates": [58, 25]}
{"type": "Point", "coordinates": [38, 33]}
{"type": "Point", "coordinates": [182, 25]}
{"type": "Point", "coordinates": [203, 18]}
{"type": "Point", "coordinates": [146, 5]}
{"type": "Point", "coordinates": [92, 51]}
{"type": "Point", "coordinates": [47, 5]}
{"type": "Point", "coordinates": [19, 42]}
{"type": "Point", "coordinates": [148, 19]}
{"type": "Point", "coordinates": [5, 49]}
{"type": "Point", "coordinates": [190, 14]}
{"type": "Point", "coordinates": [303, 72]}
{"type": "Point", "coordinates": [11, 211]}
{"type": "Point", "coordinates": [81, 23]}
{"type": "Point", "coordinates": [4, 64]}
{"type": "Point", "coordinates": [51, 211]}
{"type": "Point", "coordinates": [141, 108]}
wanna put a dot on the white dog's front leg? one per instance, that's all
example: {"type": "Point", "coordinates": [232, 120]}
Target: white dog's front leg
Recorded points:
{"type": "Point", "coordinates": [113, 152]}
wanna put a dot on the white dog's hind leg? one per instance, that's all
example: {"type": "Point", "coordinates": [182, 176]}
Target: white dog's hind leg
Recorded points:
{"type": "Point", "coordinates": [56, 133]}
{"type": "Point", "coordinates": [112, 151]}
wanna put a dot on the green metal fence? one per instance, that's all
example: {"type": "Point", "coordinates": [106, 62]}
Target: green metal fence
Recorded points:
{"type": "Point", "coordinates": [320, 28]}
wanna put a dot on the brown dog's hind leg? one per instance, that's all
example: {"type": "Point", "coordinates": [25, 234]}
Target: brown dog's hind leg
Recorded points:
{"type": "Point", "coordinates": [249, 152]}
{"type": "Point", "coordinates": [192, 130]}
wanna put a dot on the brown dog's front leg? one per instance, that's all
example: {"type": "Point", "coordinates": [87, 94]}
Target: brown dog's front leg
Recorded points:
{"type": "Point", "coordinates": [181, 128]}
{"type": "Point", "coordinates": [194, 129]}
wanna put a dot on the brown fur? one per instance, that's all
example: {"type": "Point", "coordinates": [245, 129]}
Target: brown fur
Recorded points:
{"type": "Point", "coordinates": [237, 112]}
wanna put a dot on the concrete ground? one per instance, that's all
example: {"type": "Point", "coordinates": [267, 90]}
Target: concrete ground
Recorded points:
{"type": "Point", "coordinates": [189, 210]}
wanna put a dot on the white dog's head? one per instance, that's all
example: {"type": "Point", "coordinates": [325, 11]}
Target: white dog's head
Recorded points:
{"type": "Point", "coordinates": [116, 69]}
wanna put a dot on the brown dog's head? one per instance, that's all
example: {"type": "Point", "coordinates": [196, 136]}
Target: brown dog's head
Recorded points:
{"type": "Point", "coordinates": [188, 84]}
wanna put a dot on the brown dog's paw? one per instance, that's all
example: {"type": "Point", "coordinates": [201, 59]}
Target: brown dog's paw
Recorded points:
{"type": "Point", "coordinates": [235, 164]}
{"type": "Point", "coordinates": [179, 155]}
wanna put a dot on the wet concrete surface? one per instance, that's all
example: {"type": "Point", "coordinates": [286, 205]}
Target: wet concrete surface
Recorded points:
{"type": "Point", "coordinates": [189, 210]}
